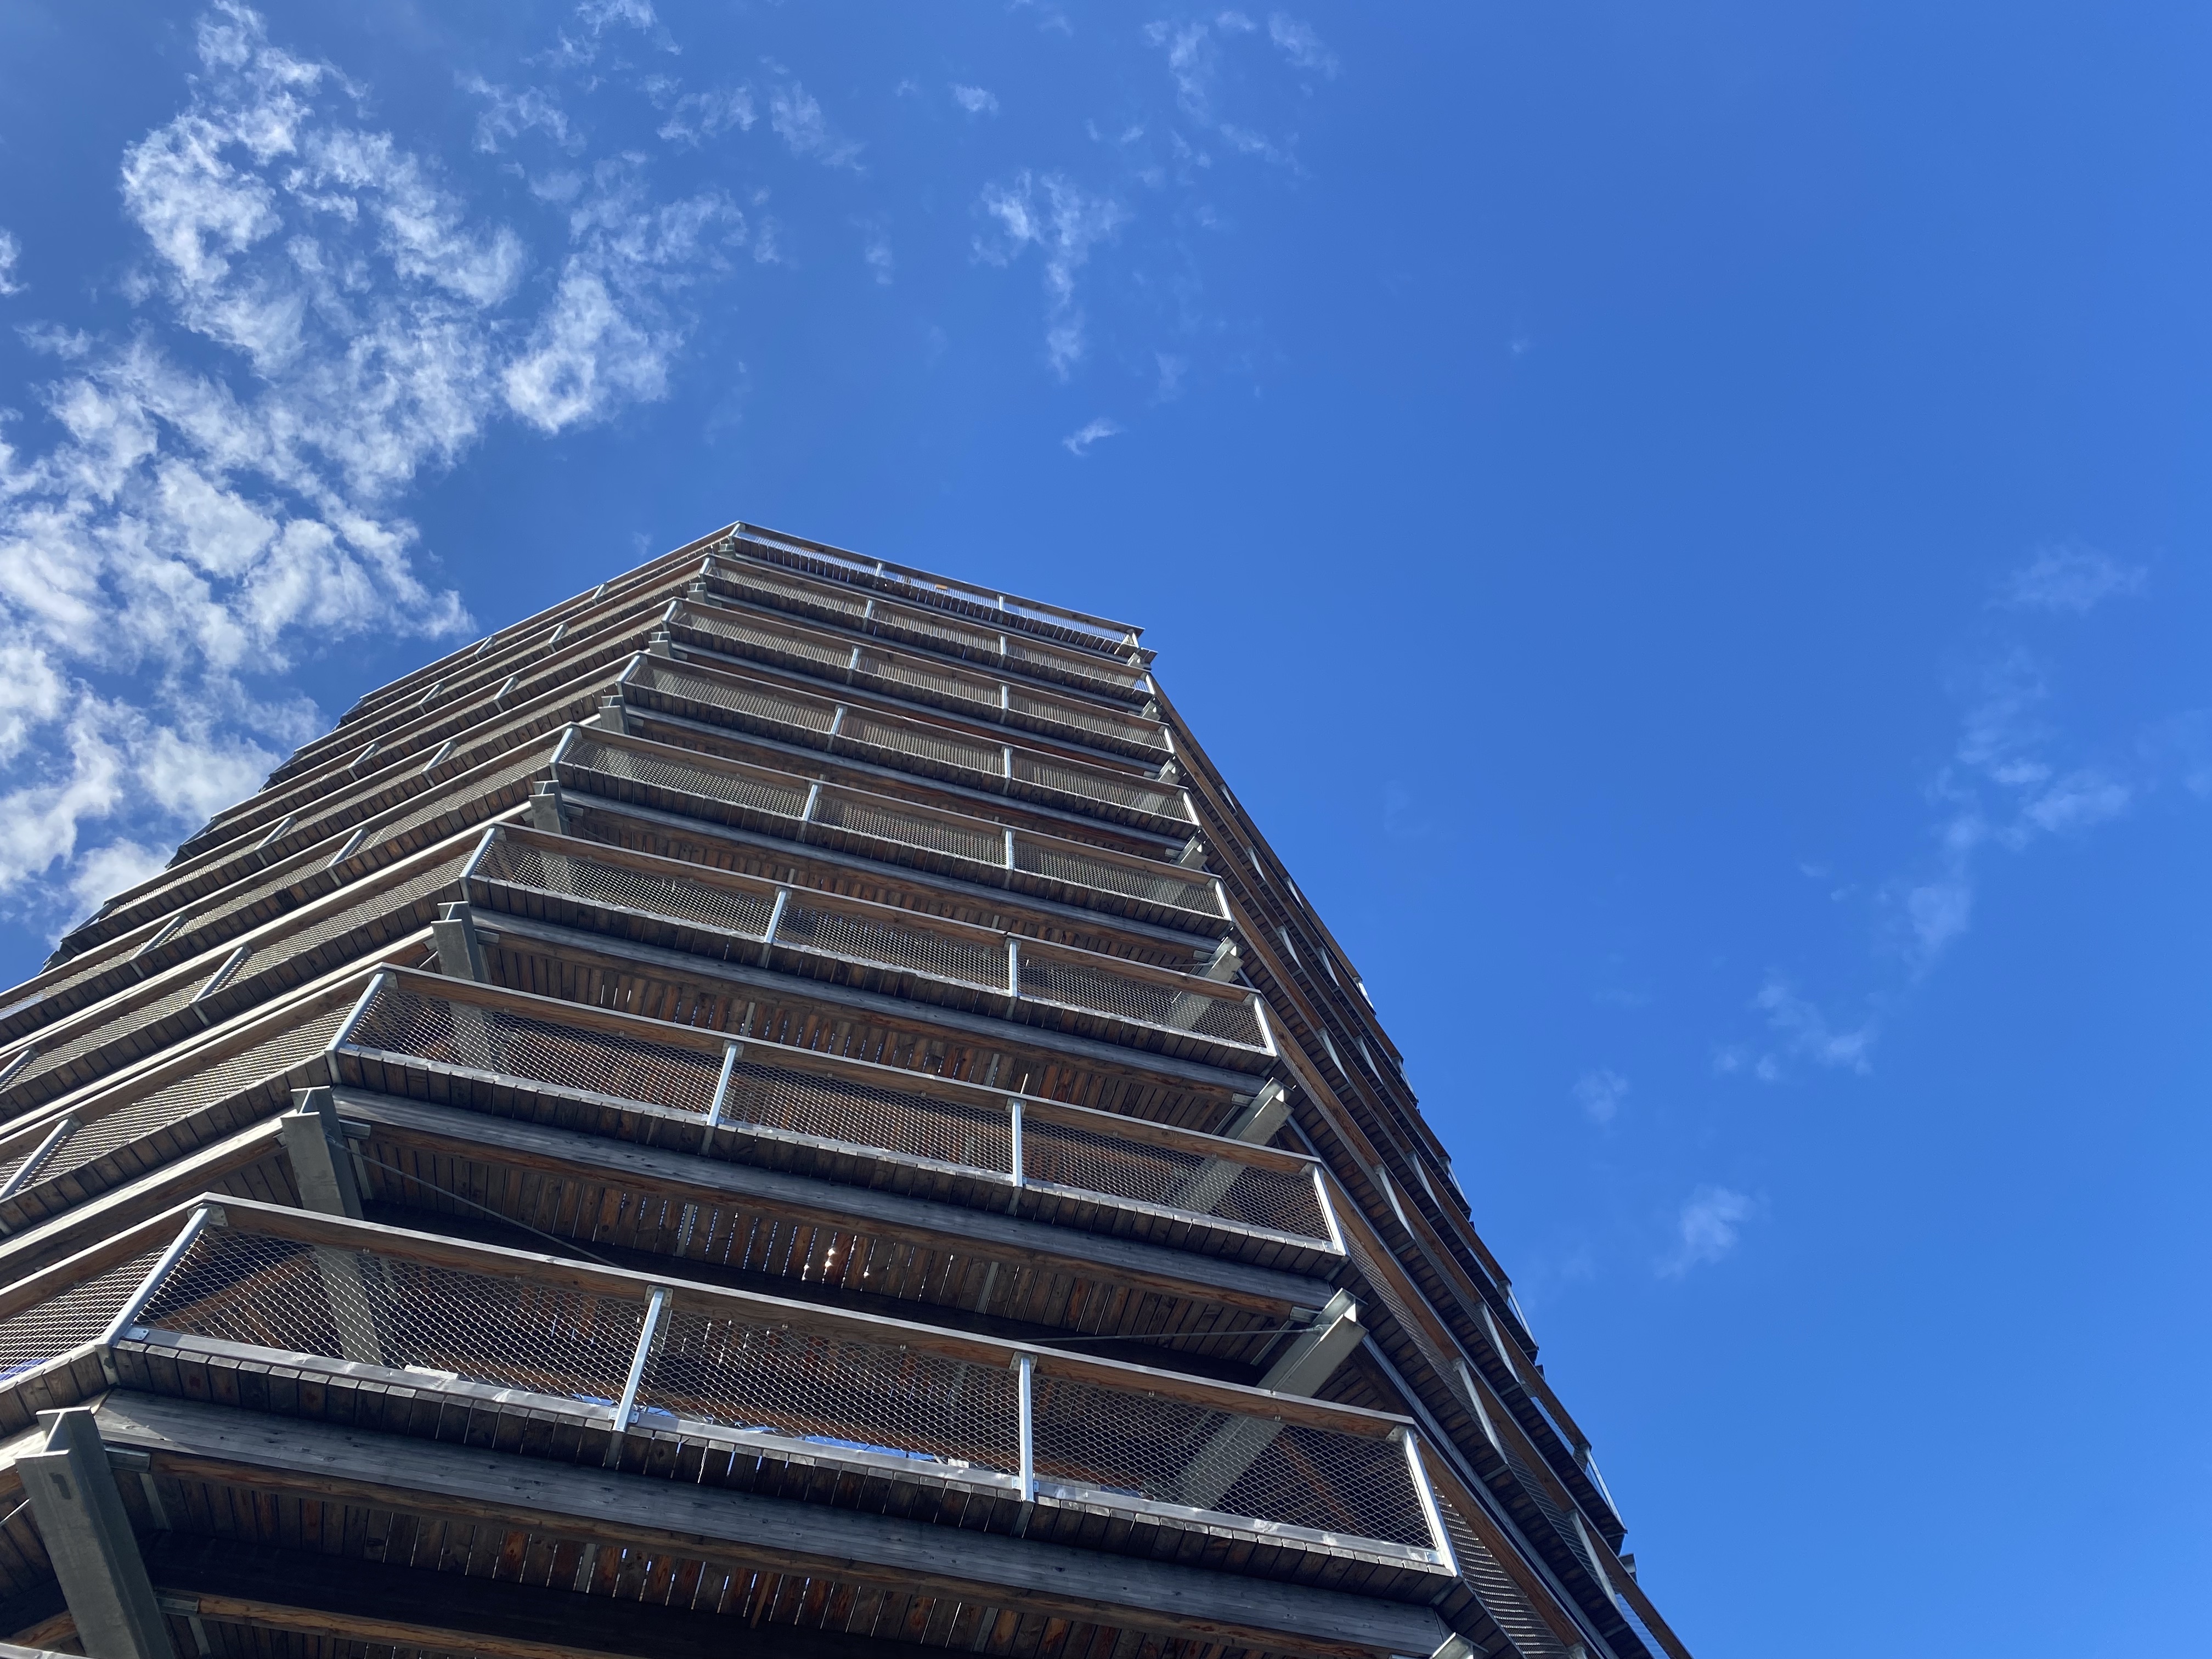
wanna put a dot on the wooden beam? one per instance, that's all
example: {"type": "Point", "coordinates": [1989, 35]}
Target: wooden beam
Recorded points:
{"type": "Point", "coordinates": [190, 1441]}
{"type": "Point", "coordinates": [456, 1131]}
{"type": "Point", "coordinates": [313, 1594]}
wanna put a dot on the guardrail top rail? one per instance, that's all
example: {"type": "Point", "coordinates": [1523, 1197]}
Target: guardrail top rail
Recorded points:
{"type": "Point", "coordinates": [1091, 633]}
{"type": "Point", "coordinates": [890, 828]}
{"type": "Point", "coordinates": [784, 712]}
{"type": "Point", "coordinates": [883, 947]}
{"type": "Point", "coordinates": [746, 632]}
{"type": "Point", "coordinates": [765, 1097]}
{"type": "Point", "coordinates": [1056, 1435]}
{"type": "Point", "coordinates": [872, 613]}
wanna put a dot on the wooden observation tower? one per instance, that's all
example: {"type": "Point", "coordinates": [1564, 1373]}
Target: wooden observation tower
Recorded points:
{"type": "Point", "coordinates": [779, 1107]}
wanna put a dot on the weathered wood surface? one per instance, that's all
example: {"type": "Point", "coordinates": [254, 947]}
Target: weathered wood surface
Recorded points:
{"type": "Point", "coordinates": [190, 1440]}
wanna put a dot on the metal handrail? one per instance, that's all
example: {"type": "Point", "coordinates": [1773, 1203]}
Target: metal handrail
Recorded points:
{"type": "Point", "coordinates": [424, 1311]}
{"type": "Point", "coordinates": [687, 1071]}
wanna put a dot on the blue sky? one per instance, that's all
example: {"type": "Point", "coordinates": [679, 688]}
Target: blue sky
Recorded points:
{"type": "Point", "coordinates": [1687, 526]}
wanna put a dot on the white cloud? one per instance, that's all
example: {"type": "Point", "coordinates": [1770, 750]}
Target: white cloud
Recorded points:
{"type": "Point", "coordinates": [1600, 1092]}
{"type": "Point", "coordinates": [1078, 443]}
{"type": "Point", "coordinates": [696, 117]}
{"type": "Point", "coordinates": [508, 116]}
{"type": "Point", "coordinates": [1807, 1034]}
{"type": "Point", "coordinates": [1298, 43]}
{"type": "Point", "coordinates": [597, 17]}
{"type": "Point", "coordinates": [119, 866]}
{"type": "Point", "coordinates": [1193, 61]}
{"type": "Point", "coordinates": [185, 531]}
{"type": "Point", "coordinates": [976, 99]}
{"type": "Point", "coordinates": [11, 251]}
{"type": "Point", "coordinates": [1708, 1228]}
{"type": "Point", "coordinates": [1064, 223]}
{"type": "Point", "coordinates": [2078, 802]}
{"type": "Point", "coordinates": [875, 252]}
{"type": "Point", "coordinates": [2070, 578]}
{"type": "Point", "coordinates": [797, 118]}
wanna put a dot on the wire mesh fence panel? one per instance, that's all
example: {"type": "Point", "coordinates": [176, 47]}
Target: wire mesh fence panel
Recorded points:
{"type": "Point", "coordinates": [904, 676]}
{"type": "Point", "coordinates": [821, 601]}
{"type": "Point", "coordinates": [399, 899]}
{"type": "Point", "coordinates": [1062, 861]}
{"type": "Point", "coordinates": [732, 630]}
{"type": "Point", "coordinates": [75, 1316]}
{"type": "Point", "coordinates": [779, 798]}
{"type": "Point", "coordinates": [755, 706]}
{"type": "Point", "coordinates": [909, 745]}
{"type": "Point", "coordinates": [834, 1391]}
{"type": "Point", "coordinates": [1279, 1200]}
{"type": "Point", "coordinates": [390, 1310]}
{"type": "Point", "coordinates": [912, 948]}
{"type": "Point", "coordinates": [1092, 784]}
{"type": "Point", "coordinates": [1509, 1607]}
{"type": "Point", "coordinates": [476, 738]}
{"type": "Point", "coordinates": [1118, 731]}
{"type": "Point", "coordinates": [729, 910]}
{"type": "Point", "coordinates": [1096, 673]}
{"type": "Point", "coordinates": [874, 819]}
{"type": "Point", "coordinates": [919, 629]}
{"type": "Point", "coordinates": [1082, 986]}
{"type": "Point", "coordinates": [242, 909]}
{"type": "Point", "coordinates": [125, 1032]}
{"type": "Point", "coordinates": [171, 1104]}
{"type": "Point", "coordinates": [31, 1082]}
{"type": "Point", "coordinates": [1175, 1451]}
{"type": "Point", "coordinates": [911, 741]}
{"type": "Point", "coordinates": [868, 1114]}
{"type": "Point", "coordinates": [576, 1058]}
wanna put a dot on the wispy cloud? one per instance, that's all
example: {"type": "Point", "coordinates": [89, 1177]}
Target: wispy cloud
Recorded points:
{"type": "Point", "coordinates": [1707, 1229]}
{"type": "Point", "coordinates": [178, 534]}
{"type": "Point", "coordinates": [2070, 578]}
{"type": "Point", "coordinates": [876, 253]}
{"type": "Point", "coordinates": [1801, 1032]}
{"type": "Point", "coordinates": [977, 100]}
{"type": "Point", "coordinates": [796, 117]}
{"type": "Point", "coordinates": [1599, 1093]}
{"type": "Point", "coordinates": [1064, 222]}
{"type": "Point", "coordinates": [1194, 53]}
{"type": "Point", "coordinates": [2012, 778]}
{"type": "Point", "coordinates": [696, 117]}
{"type": "Point", "coordinates": [1298, 43]}
{"type": "Point", "coordinates": [10, 252]}
{"type": "Point", "coordinates": [509, 115]}
{"type": "Point", "coordinates": [594, 18]}
{"type": "Point", "coordinates": [1078, 443]}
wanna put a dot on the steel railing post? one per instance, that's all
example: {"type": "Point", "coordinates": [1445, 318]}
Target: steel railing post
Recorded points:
{"type": "Point", "coordinates": [730, 1054]}
{"type": "Point", "coordinates": [1426, 1495]}
{"type": "Point", "coordinates": [343, 1034]}
{"type": "Point", "coordinates": [126, 1317]}
{"type": "Point", "coordinates": [626, 1407]}
{"type": "Point", "coordinates": [1025, 1400]}
{"type": "Point", "coordinates": [39, 1154]}
{"type": "Point", "coordinates": [774, 921]}
{"type": "Point", "coordinates": [1014, 1136]}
